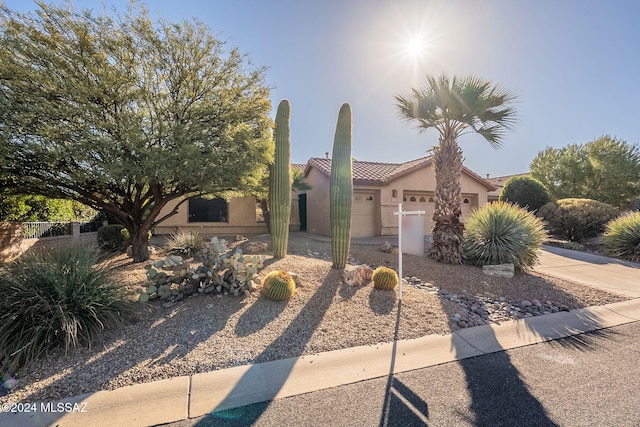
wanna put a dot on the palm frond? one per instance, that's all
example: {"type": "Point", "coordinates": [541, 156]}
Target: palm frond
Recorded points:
{"type": "Point", "coordinates": [460, 103]}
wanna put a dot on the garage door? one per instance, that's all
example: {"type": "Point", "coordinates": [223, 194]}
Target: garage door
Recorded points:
{"type": "Point", "coordinates": [422, 201]}
{"type": "Point", "coordinates": [363, 214]}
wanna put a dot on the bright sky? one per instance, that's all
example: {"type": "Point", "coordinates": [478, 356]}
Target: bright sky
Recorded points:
{"type": "Point", "coordinates": [574, 65]}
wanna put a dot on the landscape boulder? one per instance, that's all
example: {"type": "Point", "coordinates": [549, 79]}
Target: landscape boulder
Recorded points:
{"type": "Point", "coordinates": [499, 270]}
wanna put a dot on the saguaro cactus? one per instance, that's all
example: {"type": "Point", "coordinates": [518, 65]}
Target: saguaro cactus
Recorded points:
{"type": "Point", "coordinates": [280, 183]}
{"type": "Point", "coordinates": [341, 189]}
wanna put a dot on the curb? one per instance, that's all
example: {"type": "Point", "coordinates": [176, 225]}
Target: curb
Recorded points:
{"type": "Point", "coordinates": [186, 397]}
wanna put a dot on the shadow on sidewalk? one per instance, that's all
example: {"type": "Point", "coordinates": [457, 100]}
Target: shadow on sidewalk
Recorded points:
{"type": "Point", "coordinates": [401, 405]}
{"type": "Point", "coordinates": [302, 327]}
{"type": "Point", "coordinates": [498, 393]}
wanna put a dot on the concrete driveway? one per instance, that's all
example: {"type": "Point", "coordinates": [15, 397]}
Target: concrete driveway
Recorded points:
{"type": "Point", "coordinates": [608, 274]}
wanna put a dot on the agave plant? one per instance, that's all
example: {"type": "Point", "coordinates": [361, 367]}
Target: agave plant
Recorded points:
{"type": "Point", "coordinates": [501, 233]}
{"type": "Point", "coordinates": [622, 237]}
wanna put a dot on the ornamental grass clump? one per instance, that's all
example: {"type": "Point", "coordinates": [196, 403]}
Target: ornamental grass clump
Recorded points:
{"type": "Point", "coordinates": [185, 243]}
{"type": "Point", "coordinates": [622, 237]}
{"type": "Point", "coordinates": [59, 298]}
{"type": "Point", "coordinates": [502, 233]}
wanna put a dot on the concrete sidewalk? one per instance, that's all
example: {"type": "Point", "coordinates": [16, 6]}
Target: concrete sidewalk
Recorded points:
{"type": "Point", "coordinates": [609, 274]}
{"type": "Point", "coordinates": [188, 397]}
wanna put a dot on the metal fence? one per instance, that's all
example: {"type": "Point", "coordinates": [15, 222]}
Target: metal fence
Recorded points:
{"type": "Point", "coordinates": [36, 230]}
{"type": "Point", "coordinates": [89, 227]}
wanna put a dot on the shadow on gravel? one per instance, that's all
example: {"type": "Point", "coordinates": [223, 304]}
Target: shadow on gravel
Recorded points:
{"type": "Point", "coordinates": [383, 302]}
{"type": "Point", "coordinates": [299, 331]}
{"type": "Point", "coordinates": [259, 314]}
{"type": "Point", "coordinates": [347, 292]}
{"type": "Point", "coordinates": [134, 353]}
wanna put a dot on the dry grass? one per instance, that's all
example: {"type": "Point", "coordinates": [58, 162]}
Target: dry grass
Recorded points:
{"type": "Point", "coordinates": [209, 332]}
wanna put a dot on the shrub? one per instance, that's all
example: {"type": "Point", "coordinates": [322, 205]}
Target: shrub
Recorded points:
{"type": "Point", "coordinates": [526, 192]}
{"type": "Point", "coordinates": [384, 278]}
{"type": "Point", "coordinates": [185, 243]}
{"type": "Point", "coordinates": [57, 298]}
{"type": "Point", "coordinates": [501, 233]}
{"type": "Point", "coordinates": [111, 238]}
{"type": "Point", "coordinates": [622, 237]}
{"type": "Point", "coordinates": [576, 219]}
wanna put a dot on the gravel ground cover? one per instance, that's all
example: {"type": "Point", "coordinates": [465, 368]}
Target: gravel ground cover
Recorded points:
{"type": "Point", "coordinates": [209, 332]}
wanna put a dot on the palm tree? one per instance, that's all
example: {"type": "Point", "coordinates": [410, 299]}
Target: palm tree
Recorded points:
{"type": "Point", "coordinates": [454, 107]}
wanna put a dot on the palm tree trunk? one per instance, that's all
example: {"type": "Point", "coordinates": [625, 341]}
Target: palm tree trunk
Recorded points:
{"type": "Point", "coordinates": [448, 231]}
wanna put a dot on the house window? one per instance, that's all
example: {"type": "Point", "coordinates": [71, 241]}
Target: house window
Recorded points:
{"type": "Point", "coordinates": [466, 201]}
{"type": "Point", "coordinates": [430, 199]}
{"type": "Point", "coordinates": [208, 210]}
{"type": "Point", "coordinates": [422, 199]}
{"type": "Point", "coordinates": [394, 193]}
{"type": "Point", "coordinates": [412, 199]}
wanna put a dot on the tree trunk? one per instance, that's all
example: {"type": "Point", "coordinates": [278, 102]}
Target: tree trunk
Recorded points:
{"type": "Point", "coordinates": [266, 213]}
{"type": "Point", "coordinates": [139, 244]}
{"type": "Point", "coordinates": [448, 231]}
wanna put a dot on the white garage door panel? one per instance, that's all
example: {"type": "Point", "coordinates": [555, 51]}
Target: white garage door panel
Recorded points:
{"type": "Point", "coordinates": [363, 215]}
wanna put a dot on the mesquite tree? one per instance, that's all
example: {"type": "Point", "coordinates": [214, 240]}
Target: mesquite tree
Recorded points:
{"type": "Point", "coordinates": [125, 114]}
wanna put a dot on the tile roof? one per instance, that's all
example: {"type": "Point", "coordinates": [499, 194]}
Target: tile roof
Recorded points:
{"type": "Point", "coordinates": [382, 173]}
{"type": "Point", "coordinates": [299, 167]}
{"type": "Point", "coordinates": [499, 182]}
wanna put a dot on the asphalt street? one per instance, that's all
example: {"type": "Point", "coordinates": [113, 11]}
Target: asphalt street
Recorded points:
{"type": "Point", "coordinates": [591, 379]}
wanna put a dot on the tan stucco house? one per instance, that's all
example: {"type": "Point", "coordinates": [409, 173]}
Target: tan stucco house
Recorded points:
{"type": "Point", "coordinates": [378, 188]}
{"type": "Point", "coordinates": [218, 217]}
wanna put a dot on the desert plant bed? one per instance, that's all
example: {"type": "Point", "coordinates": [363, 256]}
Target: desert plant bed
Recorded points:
{"type": "Point", "coordinates": [209, 332]}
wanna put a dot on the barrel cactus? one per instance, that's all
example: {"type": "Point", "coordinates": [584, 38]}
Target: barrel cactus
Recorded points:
{"type": "Point", "coordinates": [278, 285]}
{"type": "Point", "coordinates": [385, 279]}
{"type": "Point", "coordinates": [341, 189]}
{"type": "Point", "coordinates": [280, 183]}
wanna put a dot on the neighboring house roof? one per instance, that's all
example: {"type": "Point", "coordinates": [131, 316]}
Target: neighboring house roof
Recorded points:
{"type": "Point", "coordinates": [499, 182]}
{"type": "Point", "coordinates": [375, 173]}
{"type": "Point", "coordinates": [299, 167]}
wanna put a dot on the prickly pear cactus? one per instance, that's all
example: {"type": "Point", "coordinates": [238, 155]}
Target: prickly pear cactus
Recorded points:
{"type": "Point", "coordinates": [228, 272]}
{"type": "Point", "coordinates": [164, 278]}
{"type": "Point", "coordinates": [222, 271]}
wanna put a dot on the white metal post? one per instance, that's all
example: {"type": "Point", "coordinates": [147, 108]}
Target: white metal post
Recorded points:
{"type": "Point", "coordinates": [400, 247]}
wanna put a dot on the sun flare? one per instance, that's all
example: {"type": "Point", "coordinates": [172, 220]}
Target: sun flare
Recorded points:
{"type": "Point", "coordinates": [417, 46]}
